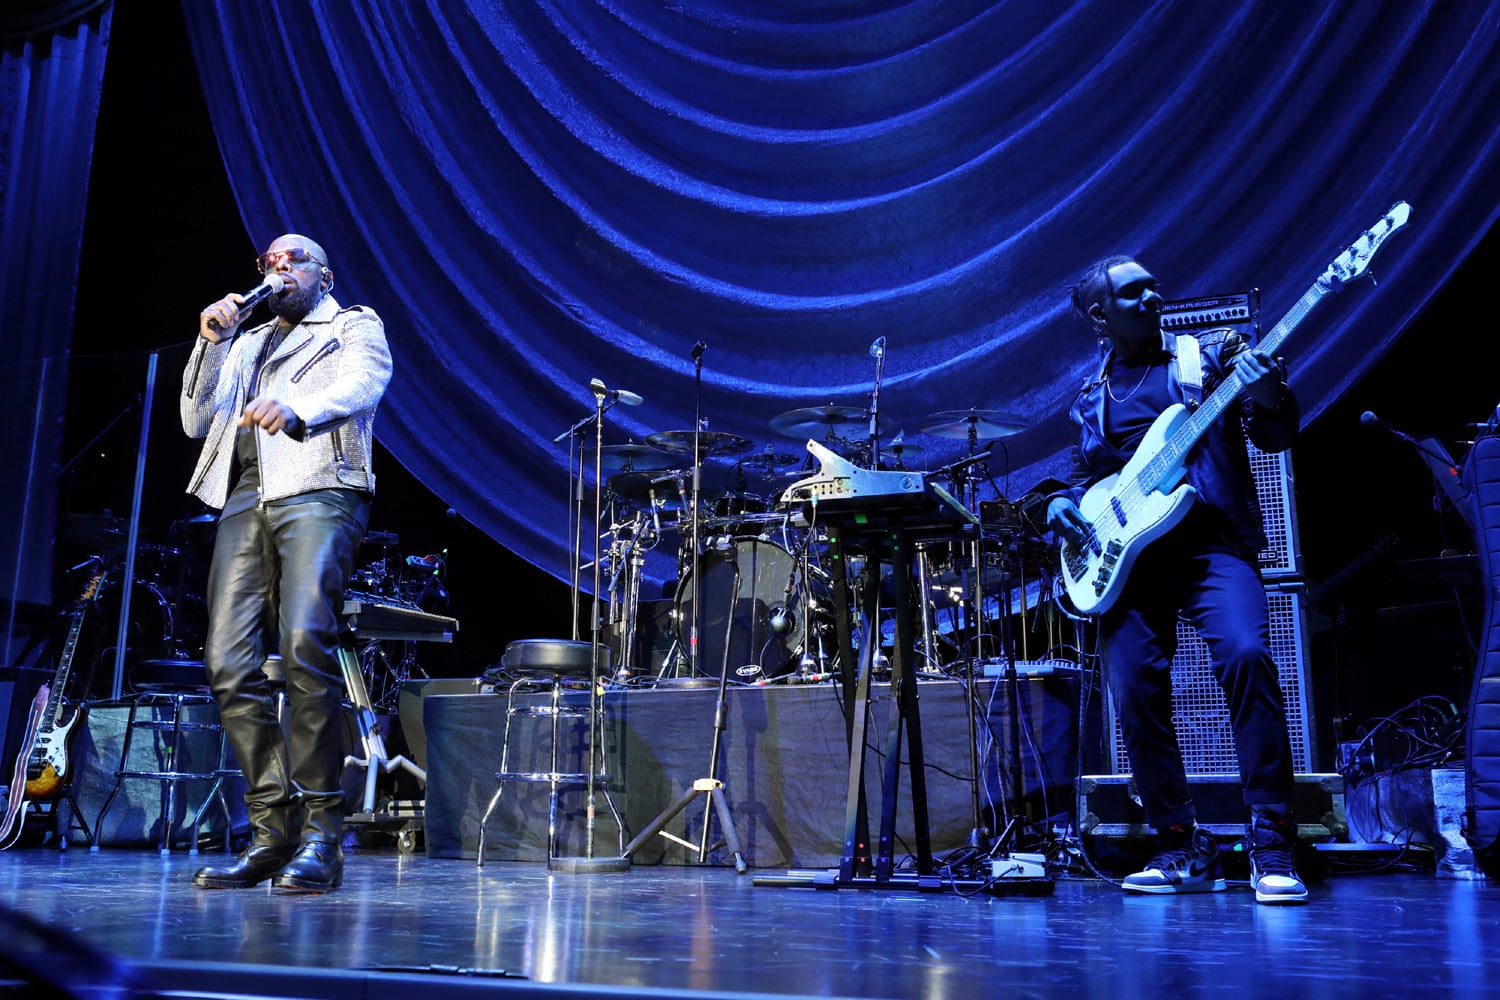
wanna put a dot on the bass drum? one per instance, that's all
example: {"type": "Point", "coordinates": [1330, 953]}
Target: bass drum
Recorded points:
{"type": "Point", "coordinates": [766, 637]}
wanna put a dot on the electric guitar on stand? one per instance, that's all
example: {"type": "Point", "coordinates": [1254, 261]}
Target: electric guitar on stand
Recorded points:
{"type": "Point", "coordinates": [42, 766]}
{"type": "Point", "coordinates": [1147, 498]}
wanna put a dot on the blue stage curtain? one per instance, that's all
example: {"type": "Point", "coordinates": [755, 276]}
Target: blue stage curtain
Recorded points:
{"type": "Point", "coordinates": [534, 194]}
{"type": "Point", "coordinates": [51, 73]}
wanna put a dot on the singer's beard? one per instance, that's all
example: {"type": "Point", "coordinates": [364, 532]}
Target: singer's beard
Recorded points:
{"type": "Point", "coordinates": [296, 304]}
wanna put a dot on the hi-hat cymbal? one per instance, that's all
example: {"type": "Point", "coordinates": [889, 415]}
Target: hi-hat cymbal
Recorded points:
{"type": "Point", "coordinates": [710, 443]}
{"type": "Point", "coordinates": [821, 421]}
{"type": "Point", "coordinates": [769, 462]}
{"type": "Point", "coordinates": [986, 424]}
{"type": "Point", "coordinates": [637, 457]}
{"type": "Point", "coordinates": [899, 451]}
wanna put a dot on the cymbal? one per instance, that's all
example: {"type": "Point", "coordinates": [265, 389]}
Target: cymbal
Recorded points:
{"type": "Point", "coordinates": [898, 452]}
{"type": "Point", "coordinates": [710, 443]}
{"type": "Point", "coordinates": [94, 530]}
{"type": "Point", "coordinates": [987, 424]}
{"type": "Point", "coordinates": [821, 421]}
{"type": "Point", "coordinates": [638, 457]}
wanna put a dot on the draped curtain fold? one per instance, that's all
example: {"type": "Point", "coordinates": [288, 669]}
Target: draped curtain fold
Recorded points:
{"type": "Point", "coordinates": [49, 102]}
{"type": "Point", "coordinates": [539, 193]}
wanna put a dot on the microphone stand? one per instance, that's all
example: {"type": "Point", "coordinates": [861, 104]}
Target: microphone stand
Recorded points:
{"type": "Point", "coordinates": [696, 569]}
{"type": "Point", "coordinates": [589, 863]}
{"type": "Point", "coordinates": [710, 786]}
{"type": "Point", "coordinates": [878, 350]}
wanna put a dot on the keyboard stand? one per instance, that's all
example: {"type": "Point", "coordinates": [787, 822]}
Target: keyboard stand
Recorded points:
{"type": "Point", "coordinates": [402, 817]}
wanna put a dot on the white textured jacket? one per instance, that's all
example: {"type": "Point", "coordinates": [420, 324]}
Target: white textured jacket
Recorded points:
{"type": "Point", "coordinates": [331, 369]}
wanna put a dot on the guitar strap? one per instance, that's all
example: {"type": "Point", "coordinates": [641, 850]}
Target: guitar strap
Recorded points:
{"type": "Point", "coordinates": [1190, 369]}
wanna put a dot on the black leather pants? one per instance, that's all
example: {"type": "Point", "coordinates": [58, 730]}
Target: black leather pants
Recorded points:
{"type": "Point", "coordinates": [281, 571]}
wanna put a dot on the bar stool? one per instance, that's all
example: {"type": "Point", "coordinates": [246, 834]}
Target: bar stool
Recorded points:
{"type": "Point", "coordinates": [165, 692]}
{"type": "Point", "coordinates": [549, 665]}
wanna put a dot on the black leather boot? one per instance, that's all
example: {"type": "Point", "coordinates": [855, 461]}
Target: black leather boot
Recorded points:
{"type": "Point", "coordinates": [254, 865]}
{"type": "Point", "coordinates": [316, 867]}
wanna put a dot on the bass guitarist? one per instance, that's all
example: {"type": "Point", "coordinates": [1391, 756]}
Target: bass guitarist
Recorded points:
{"type": "Point", "coordinates": [1203, 569]}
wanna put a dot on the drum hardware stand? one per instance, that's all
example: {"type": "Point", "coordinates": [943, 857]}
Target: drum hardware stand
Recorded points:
{"type": "Point", "coordinates": [711, 785]}
{"type": "Point", "coordinates": [877, 351]}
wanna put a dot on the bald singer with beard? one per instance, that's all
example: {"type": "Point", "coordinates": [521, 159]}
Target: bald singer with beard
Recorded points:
{"type": "Point", "coordinates": [286, 410]}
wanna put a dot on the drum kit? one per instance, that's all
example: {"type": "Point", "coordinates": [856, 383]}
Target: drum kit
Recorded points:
{"type": "Point", "coordinates": [762, 583]}
{"type": "Point", "coordinates": [167, 615]}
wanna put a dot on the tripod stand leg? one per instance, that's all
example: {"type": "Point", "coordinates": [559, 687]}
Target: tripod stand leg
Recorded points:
{"type": "Point", "coordinates": [721, 805]}
{"type": "Point", "coordinates": [660, 822]}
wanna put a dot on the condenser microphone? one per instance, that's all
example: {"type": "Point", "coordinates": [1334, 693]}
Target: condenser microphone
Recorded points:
{"type": "Point", "coordinates": [877, 349]}
{"type": "Point", "coordinates": [269, 286]}
{"type": "Point", "coordinates": [615, 395]}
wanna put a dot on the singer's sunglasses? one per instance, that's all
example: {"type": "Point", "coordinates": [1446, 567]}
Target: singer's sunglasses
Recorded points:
{"type": "Point", "coordinates": [295, 256]}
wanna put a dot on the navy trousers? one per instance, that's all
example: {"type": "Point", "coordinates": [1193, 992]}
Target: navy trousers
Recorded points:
{"type": "Point", "coordinates": [1190, 573]}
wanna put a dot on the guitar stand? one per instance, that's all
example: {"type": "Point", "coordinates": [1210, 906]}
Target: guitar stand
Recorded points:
{"type": "Point", "coordinates": [47, 810]}
{"type": "Point", "coordinates": [403, 817]}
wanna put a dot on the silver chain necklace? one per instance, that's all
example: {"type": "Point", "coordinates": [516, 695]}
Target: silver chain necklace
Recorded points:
{"type": "Point", "coordinates": [1109, 387]}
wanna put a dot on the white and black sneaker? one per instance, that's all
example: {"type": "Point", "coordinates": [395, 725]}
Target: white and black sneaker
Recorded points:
{"type": "Point", "coordinates": [1192, 867]}
{"type": "Point", "coordinates": [1273, 876]}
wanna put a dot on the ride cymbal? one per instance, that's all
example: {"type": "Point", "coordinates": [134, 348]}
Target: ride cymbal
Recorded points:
{"type": "Point", "coordinates": [985, 424]}
{"type": "Point", "coordinates": [821, 421]}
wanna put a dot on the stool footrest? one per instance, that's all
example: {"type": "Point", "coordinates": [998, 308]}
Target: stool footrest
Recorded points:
{"type": "Point", "coordinates": [546, 712]}
{"type": "Point", "coordinates": [164, 726]}
{"type": "Point", "coordinates": [169, 775]}
{"type": "Point", "coordinates": [562, 778]}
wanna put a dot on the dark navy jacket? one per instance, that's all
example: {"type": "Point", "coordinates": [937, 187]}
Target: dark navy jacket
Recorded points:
{"type": "Point", "coordinates": [1219, 465]}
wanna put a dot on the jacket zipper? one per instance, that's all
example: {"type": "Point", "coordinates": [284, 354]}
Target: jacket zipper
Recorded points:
{"type": "Point", "coordinates": [323, 352]}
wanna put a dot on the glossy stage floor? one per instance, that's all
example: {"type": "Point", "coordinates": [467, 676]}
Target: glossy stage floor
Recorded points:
{"type": "Point", "coordinates": [409, 925]}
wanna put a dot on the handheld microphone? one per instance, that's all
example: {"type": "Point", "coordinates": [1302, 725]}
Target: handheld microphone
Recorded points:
{"type": "Point", "coordinates": [877, 349]}
{"type": "Point", "coordinates": [615, 395]}
{"type": "Point", "coordinates": [269, 286]}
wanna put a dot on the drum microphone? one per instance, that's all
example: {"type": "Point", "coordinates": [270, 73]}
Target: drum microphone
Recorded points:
{"type": "Point", "coordinates": [782, 619]}
{"type": "Point", "coordinates": [877, 349]}
{"type": "Point", "coordinates": [615, 395]}
{"type": "Point", "coordinates": [271, 285]}
{"type": "Point", "coordinates": [655, 515]}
